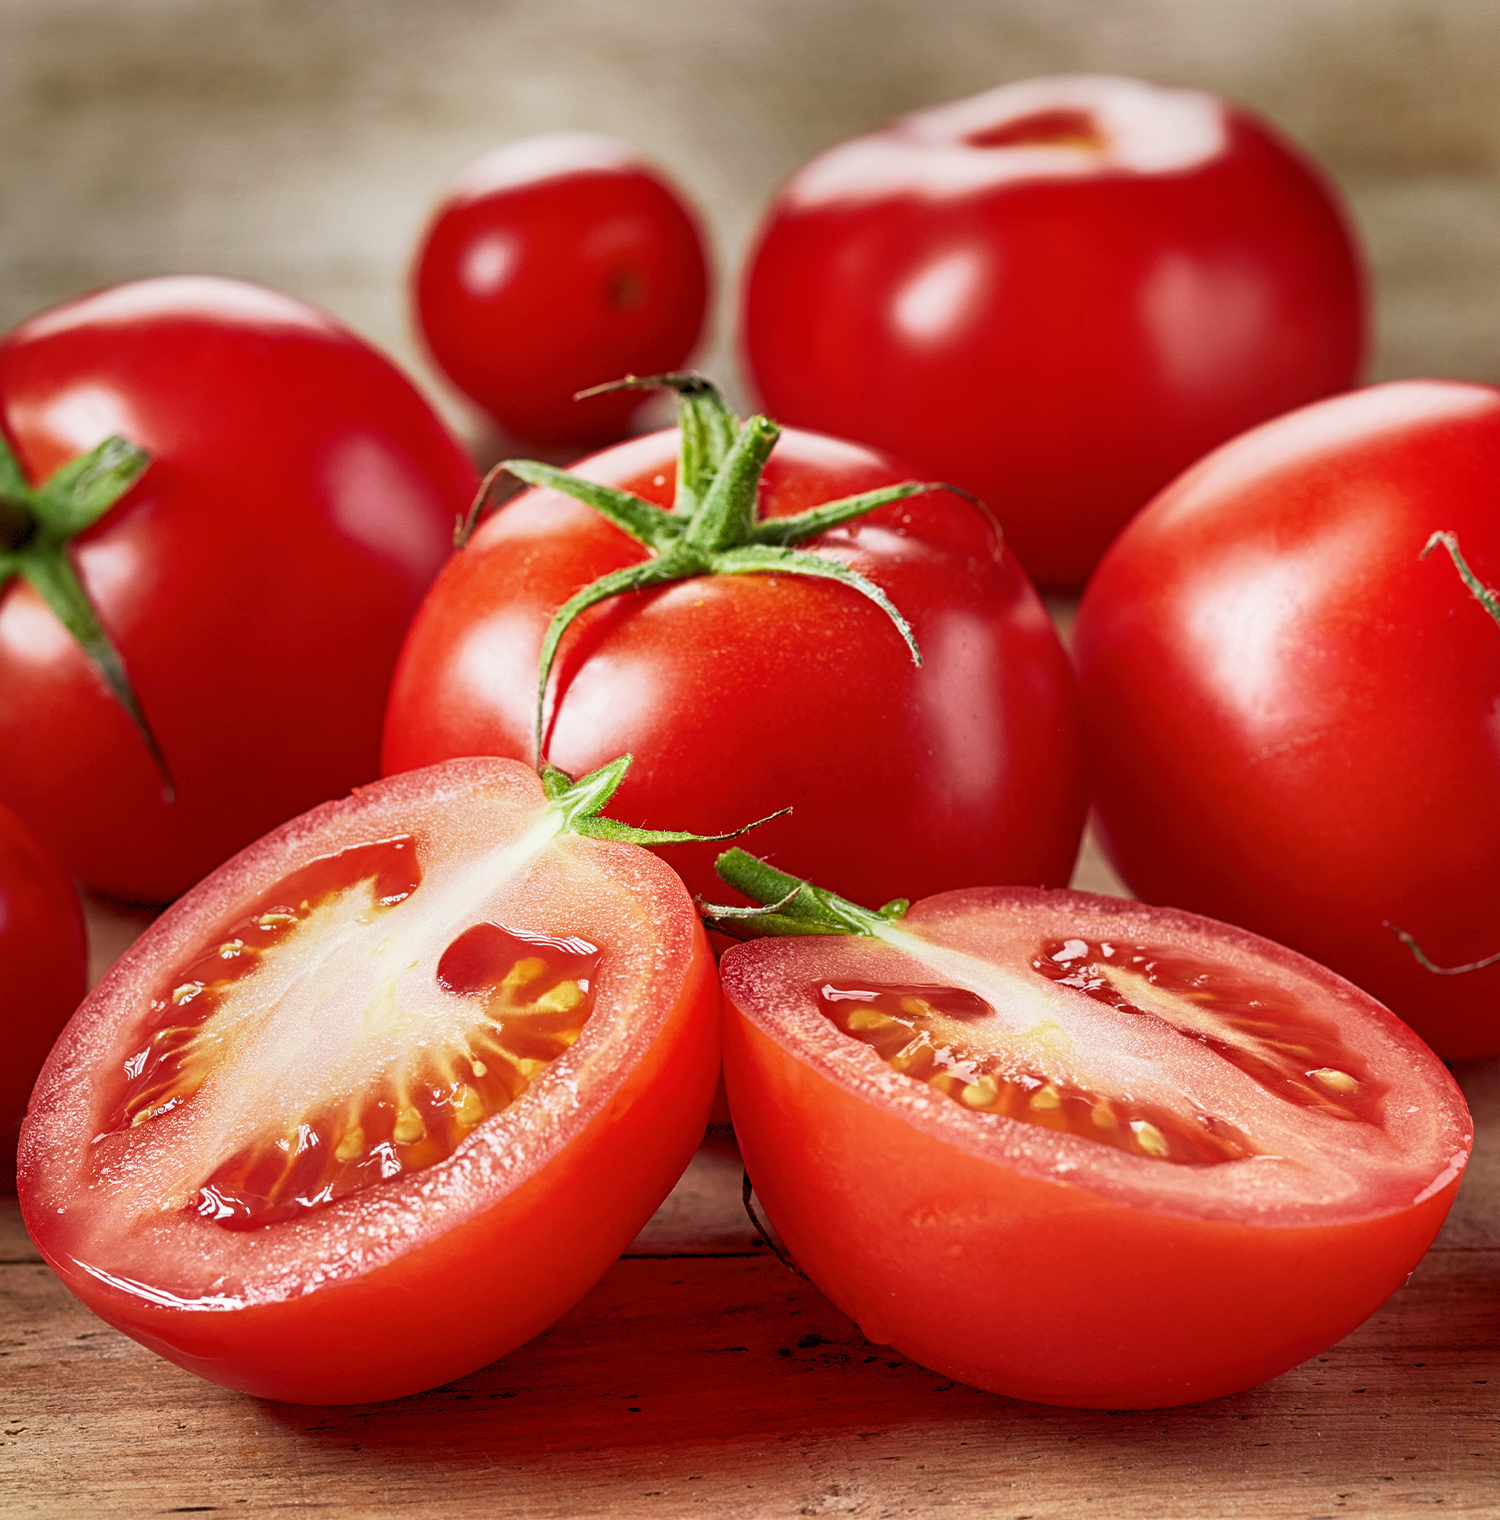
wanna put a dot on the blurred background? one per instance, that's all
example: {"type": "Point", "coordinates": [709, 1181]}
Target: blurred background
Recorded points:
{"type": "Point", "coordinates": [301, 142]}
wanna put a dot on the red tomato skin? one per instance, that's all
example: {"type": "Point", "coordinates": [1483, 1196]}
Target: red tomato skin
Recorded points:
{"type": "Point", "coordinates": [964, 1269]}
{"type": "Point", "coordinates": [1117, 323]}
{"type": "Point", "coordinates": [557, 263]}
{"type": "Point", "coordinates": [1012, 1281]}
{"type": "Point", "coordinates": [43, 970]}
{"type": "Point", "coordinates": [462, 1293]}
{"type": "Point", "coordinates": [1293, 713]}
{"type": "Point", "coordinates": [257, 580]}
{"type": "Point", "coordinates": [741, 695]}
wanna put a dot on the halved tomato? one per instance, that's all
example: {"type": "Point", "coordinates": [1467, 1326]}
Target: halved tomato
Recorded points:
{"type": "Point", "coordinates": [384, 1095]}
{"type": "Point", "coordinates": [1080, 1150]}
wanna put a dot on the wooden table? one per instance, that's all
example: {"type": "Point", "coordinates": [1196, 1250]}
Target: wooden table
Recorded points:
{"type": "Point", "coordinates": [702, 1377]}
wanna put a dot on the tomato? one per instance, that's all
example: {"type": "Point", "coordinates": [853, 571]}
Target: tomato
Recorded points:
{"type": "Point", "coordinates": [555, 263]}
{"type": "Point", "coordinates": [382, 1097]}
{"type": "Point", "coordinates": [744, 693]}
{"type": "Point", "coordinates": [1057, 293]}
{"type": "Point", "coordinates": [1292, 710]}
{"type": "Point", "coordinates": [1079, 1150]}
{"type": "Point", "coordinates": [252, 587]}
{"type": "Point", "coordinates": [43, 969]}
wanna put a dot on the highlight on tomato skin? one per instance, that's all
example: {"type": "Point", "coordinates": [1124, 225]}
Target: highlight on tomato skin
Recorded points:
{"type": "Point", "coordinates": [1084, 1151]}
{"type": "Point", "coordinates": [424, 1059]}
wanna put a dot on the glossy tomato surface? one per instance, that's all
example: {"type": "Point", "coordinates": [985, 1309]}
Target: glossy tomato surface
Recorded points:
{"type": "Point", "coordinates": [1058, 294]}
{"type": "Point", "coordinates": [257, 580]}
{"type": "Point", "coordinates": [555, 263]}
{"type": "Point", "coordinates": [43, 970]}
{"type": "Point", "coordinates": [381, 1098]}
{"type": "Point", "coordinates": [1083, 1151]}
{"type": "Point", "coordinates": [740, 695]}
{"type": "Point", "coordinates": [1293, 711]}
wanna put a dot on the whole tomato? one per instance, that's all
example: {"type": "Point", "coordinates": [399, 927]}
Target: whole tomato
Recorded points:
{"type": "Point", "coordinates": [747, 675]}
{"type": "Point", "coordinates": [1078, 1149]}
{"type": "Point", "coordinates": [43, 970]}
{"type": "Point", "coordinates": [220, 512]}
{"type": "Point", "coordinates": [383, 1096]}
{"type": "Point", "coordinates": [1291, 699]}
{"type": "Point", "coordinates": [1058, 294]}
{"type": "Point", "coordinates": [555, 263]}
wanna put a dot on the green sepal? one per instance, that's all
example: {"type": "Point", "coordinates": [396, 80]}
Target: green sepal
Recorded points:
{"type": "Point", "coordinates": [581, 803]}
{"type": "Point", "coordinates": [762, 559]}
{"type": "Point", "coordinates": [1486, 596]}
{"type": "Point", "coordinates": [790, 905]}
{"type": "Point", "coordinates": [833, 514]}
{"type": "Point", "coordinates": [708, 429]}
{"type": "Point", "coordinates": [644, 521]}
{"type": "Point", "coordinates": [37, 524]}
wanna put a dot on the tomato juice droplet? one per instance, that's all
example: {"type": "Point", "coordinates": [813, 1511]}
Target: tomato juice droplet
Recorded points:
{"type": "Point", "coordinates": [519, 1000]}
{"type": "Point", "coordinates": [920, 1031]}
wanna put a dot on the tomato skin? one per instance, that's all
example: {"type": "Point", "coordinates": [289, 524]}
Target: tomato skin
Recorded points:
{"type": "Point", "coordinates": [1018, 1267]}
{"type": "Point", "coordinates": [426, 1277]}
{"type": "Point", "coordinates": [257, 580]}
{"type": "Point", "coordinates": [43, 969]}
{"type": "Point", "coordinates": [1293, 712]}
{"type": "Point", "coordinates": [1057, 329]}
{"type": "Point", "coordinates": [742, 695]}
{"type": "Point", "coordinates": [555, 263]}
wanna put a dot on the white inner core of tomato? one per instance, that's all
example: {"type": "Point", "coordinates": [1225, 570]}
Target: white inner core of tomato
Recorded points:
{"type": "Point", "coordinates": [347, 1002]}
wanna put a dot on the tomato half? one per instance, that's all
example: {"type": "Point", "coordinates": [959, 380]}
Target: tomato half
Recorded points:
{"type": "Point", "coordinates": [382, 1097]}
{"type": "Point", "coordinates": [1292, 710]}
{"type": "Point", "coordinates": [1075, 1149]}
{"type": "Point", "coordinates": [555, 263]}
{"type": "Point", "coordinates": [742, 694]}
{"type": "Point", "coordinates": [1058, 294]}
{"type": "Point", "coordinates": [43, 970]}
{"type": "Point", "coordinates": [255, 582]}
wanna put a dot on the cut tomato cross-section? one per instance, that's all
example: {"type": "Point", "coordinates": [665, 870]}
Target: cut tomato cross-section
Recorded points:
{"type": "Point", "coordinates": [383, 1096]}
{"type": "Point", "coordinates": [1077, 1149]}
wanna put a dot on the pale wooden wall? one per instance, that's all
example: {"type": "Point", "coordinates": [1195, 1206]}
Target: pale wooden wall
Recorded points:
{"type": "Point", "coordinates": [298, 142]}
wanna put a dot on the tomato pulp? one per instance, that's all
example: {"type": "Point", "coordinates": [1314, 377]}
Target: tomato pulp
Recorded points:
{"type": "Point", "coordinates": [255, 581]}
{"type": "Point", "coordinates": [382, 1097]}
{"type": "Point", "coordinates": [1058, 294]}
{"type": "Point", "coordinates": [43, 970]}
{"type": "Point", "coordinates": [741, 694]}
{"type": "Point", "coordinates": [1079, 1150]}
{"type": "Point", "coordinates": [1292, 710]}
{"type": "Point", "coordinates": [555, 263]}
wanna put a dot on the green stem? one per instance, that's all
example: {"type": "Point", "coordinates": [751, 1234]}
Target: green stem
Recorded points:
{"type": "Point", "coordinates": [790, 905]}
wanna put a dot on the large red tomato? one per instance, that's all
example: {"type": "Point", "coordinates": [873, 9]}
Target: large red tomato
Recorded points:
{"type": "Point", "coordinates": [555, 263]}
{"type": "Point", "coordinates": [43, 970]}
{"type": "Point", "coordinates": [1293, 703]}
{"type": "Point", "coordinates": [767, 685]}
{"type": "Point", "coordinates": [1058, 293]}
{"type": "Point", "coordinates": [1080, 1150]}
{"type": "Point", "coordinates": [249, 591]}
{"type": "Point", "coordinates": [384, 1096]}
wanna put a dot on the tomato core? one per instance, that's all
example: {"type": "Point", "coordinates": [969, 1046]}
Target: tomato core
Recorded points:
{"type": "Point", "coordinates": [527, 997]}
{"type": "Point", "coordinates": [913, 1031]}
{"type": "Point", "coordinates": [1264, 1033]}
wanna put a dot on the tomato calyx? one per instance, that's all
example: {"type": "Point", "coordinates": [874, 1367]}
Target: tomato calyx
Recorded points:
{"type": "Point", "coordinates": [789, 905]}
{"type": "Point", "coordinates": [37, 524]}
{"type": "Point", "coordinates": [1489, 599]}
{"type": "Point", "coordinates": [713, 527]}
{"type": "Point", "coordinates": [577, 806]}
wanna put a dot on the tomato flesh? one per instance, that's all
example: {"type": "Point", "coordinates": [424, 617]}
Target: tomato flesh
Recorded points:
{"type": "Point", "coordinates": [1078, 1150]}
{"type": "Point", "coordinates": [419, 1055]}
